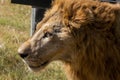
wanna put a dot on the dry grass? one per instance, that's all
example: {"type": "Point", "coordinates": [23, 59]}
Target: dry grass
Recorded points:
{"type": "Point", "coordinates": [14, 29]}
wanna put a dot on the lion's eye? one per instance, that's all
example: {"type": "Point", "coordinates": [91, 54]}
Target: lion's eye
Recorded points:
{"type": "Point", "coordinates": [47, 34]}
{"type": "Point", "coordinates": [57, 29]}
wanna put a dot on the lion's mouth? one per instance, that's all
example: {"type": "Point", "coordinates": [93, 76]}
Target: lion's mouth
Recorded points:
{"type": "Point", "coordinates": [41, 66]}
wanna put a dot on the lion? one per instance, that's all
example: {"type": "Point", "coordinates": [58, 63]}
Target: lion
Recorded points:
{"type": "Point", "coordinates": [83, 34]}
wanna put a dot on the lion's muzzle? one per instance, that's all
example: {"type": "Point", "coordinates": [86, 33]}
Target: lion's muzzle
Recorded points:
{"type": "Point", "coordinates": [24, 50]}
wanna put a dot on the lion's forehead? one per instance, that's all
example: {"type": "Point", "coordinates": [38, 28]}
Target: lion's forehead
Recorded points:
{"type": "Point", "coordinates": [61, 15]}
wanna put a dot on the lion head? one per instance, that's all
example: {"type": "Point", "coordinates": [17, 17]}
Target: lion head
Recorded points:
{"type": "Point", "coordinates": [77, 32]}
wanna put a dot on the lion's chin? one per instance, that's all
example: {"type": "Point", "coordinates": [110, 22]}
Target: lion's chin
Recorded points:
{"type": "Point", "coordinates": [40, 67]}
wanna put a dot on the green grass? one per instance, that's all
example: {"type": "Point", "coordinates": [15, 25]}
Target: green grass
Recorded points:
{"type": "Point", "coordinates": [14, 30]}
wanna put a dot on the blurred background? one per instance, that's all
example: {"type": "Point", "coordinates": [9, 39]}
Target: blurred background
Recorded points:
{"type": "Point", "coordinates": [14, 30]}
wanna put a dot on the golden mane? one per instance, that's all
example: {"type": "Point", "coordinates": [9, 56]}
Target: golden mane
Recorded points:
{"type": "Point", "coordinates": [98, 38]}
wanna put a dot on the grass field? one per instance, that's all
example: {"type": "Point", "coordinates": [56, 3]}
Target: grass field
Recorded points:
{"type": "Point", "coordinates": [14, 30]}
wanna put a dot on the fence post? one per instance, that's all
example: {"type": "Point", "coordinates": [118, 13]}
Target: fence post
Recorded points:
{"type": "Point", "coordinates": [36, 16]}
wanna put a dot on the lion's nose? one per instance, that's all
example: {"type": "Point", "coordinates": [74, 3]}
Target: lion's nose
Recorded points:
{"type": "Point", "coordinates": [24, 50]}
{"type": "Point", "coordinates": [23, 55]}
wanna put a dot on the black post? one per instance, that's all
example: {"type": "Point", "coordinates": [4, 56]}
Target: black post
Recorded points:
{"type": "Point", "coordinates": [38, 9]}
{"type": "Point", "coordinates": [37, 15]}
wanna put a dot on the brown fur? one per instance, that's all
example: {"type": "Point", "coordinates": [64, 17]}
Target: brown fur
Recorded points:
{"type": "Point", "coordinates": [94, 30]}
